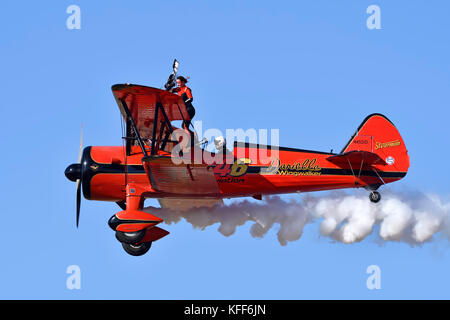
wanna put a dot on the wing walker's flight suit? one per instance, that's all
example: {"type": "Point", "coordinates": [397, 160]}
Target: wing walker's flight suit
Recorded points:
{"type": "Point", "coordinates": [186, 94]}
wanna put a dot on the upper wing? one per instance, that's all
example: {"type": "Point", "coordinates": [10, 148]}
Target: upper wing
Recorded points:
{"type": "Point", "coordinates": [141, 101]}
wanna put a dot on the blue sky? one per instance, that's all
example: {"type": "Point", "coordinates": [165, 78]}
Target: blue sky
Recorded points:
{"type": "Point", "coordinates": [309, 68]}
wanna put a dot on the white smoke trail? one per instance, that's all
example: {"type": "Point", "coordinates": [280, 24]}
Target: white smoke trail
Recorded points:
{"type": "Point", "coordinates": [412, 218]}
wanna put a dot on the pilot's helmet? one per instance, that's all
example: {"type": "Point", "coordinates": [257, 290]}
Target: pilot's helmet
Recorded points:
{"type": "Point", "coordinates": [219, 142]}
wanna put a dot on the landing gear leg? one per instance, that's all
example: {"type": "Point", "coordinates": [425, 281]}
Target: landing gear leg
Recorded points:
{"type": "Point", "coordinates": [134, 228]}
{"type": "Point", "coordinates": [375, 196]}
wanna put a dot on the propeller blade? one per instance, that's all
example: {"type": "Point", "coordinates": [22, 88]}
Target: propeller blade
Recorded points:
{"type": "Point", "coordinates": [79, 180]}
{"type": "Point", "coordinates": [78, 200]}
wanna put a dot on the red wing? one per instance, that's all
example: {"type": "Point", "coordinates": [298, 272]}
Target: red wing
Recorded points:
{"type": "Point", "coordinates": [142, 100]}
{"type": "Point", "coordinates": [186, 204]}
{"type": "Point", "coordinates": [167, 177]}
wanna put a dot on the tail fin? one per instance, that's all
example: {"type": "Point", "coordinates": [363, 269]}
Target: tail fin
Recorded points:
{"type": "Point", "coordinates": [378, 134]}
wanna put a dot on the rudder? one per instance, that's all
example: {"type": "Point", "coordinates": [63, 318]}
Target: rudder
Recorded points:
{"type": "Point", "coordinates": [378, 134]}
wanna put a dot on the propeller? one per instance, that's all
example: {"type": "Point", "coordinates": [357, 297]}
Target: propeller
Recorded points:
{"type": "Point", "coordinates": [74, 173]}
{"type": "Point", "coordinates": [79, 180]}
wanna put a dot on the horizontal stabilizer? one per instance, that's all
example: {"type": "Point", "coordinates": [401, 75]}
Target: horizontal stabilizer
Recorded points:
{"type": "Point", "coordinates": [356, 158]}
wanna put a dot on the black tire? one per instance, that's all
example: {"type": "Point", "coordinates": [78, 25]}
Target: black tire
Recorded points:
{"type": "Point", "coordinates": [130, 237]}
{"type": "Point", "coordinates": [137, 249]}
{"type": "Point", "coordinates": [375, 196]}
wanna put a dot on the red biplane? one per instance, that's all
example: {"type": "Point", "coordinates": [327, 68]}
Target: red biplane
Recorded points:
{"type": "Point", "coordinates": [145, 166]}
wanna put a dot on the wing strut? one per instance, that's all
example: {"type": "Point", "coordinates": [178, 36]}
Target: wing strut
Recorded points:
{"type": "Point", "coordinates": [351, 168]}
{"type": "Point", "coordinates": [167, 123]}
{"type": "Point", "coordinates": [379, 176]}
{"type": "Point", "coordinates": [133, 125]}
{"type": "Point", "coordinates": [155, 125]}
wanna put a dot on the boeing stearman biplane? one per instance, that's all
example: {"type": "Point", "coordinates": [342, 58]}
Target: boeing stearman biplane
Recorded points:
{"type": "Point", "coordinates": [146, 166]}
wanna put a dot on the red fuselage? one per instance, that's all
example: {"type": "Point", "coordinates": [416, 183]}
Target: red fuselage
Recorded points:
{"type": "Point", "coordinates": [107, 170]}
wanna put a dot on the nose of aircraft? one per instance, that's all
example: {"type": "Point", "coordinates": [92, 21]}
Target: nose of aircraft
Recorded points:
{"type": "Point", "coordinates": [73, 172]}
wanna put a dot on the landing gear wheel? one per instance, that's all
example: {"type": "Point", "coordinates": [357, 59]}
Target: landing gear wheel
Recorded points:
{"type": "Point", "coordinates": [137, 249]}
{"type": "Point", "coordinates": [374, 196]}
{"type": "Point", "coordinates": [130, 237]}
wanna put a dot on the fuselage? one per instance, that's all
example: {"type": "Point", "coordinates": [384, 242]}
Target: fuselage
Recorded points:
{"type": "Point", "coordinates": [106, 171]}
